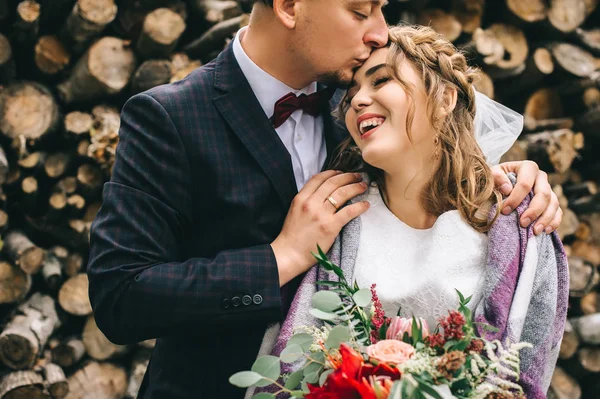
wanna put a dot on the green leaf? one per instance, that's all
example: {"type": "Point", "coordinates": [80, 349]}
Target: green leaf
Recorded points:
{"type": "Point", "coordinates": [324, 376]}
{"type": "Point", "coordinates": [396, 391]}
{"type": "Point", "coordinates": [362, 297]}
{"type": "Point", "coordinates": [326, 301]}
{"type": "Point", "coordinates": [302, 339]}
{"type": "Point", "coordinates": [460, 296]}
{"type": "Point", "coordinates": [312, 378]}
{"type": "Point", "coordinates": [305, 387]}
{"type": "Point", "coordinates": [423, 386]}
{"type": "Point", "coordinates": [294, 380]}
{"type": "Point", "coordinates": [311, 368]}
{"type": "Point", "coordinates": [319, 314]}
{"type": "Point", "coordinates": [264, 395]}
{"type": "Point", "coordinates": [336, 336]}
{"type": "Point", "coordinates": [244, 379]}
{"type": "Point", "coordinates": [329, 283]}
{"type": "Point", "coordinates": [269, 367]}
{"type": "Point", "coordinates": [298, 394]}
{"type": "Point", "coordinates": [449, 345]}
{"type": "Point", "coordinates": [291, 353]}
{"type": "Point", "coordinates": [486, 327]}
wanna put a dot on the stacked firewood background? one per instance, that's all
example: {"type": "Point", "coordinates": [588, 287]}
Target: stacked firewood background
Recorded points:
{"type": "Point", "coordinates": [67, 67]}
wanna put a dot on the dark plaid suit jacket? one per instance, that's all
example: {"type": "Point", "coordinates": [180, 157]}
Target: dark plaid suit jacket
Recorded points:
{"type": "Point", "coordinates": [180, 248]}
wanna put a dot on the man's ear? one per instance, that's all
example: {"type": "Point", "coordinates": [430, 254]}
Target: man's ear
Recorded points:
{"type": "Point", "coordinates": [286, 12]}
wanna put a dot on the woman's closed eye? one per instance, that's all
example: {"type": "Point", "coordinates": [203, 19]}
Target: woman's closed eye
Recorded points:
{"type": "Point", "coordinates": [380, 80]}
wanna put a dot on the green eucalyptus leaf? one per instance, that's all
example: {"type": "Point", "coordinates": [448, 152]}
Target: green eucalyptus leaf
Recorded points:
{"type": "Point", "coordinates": [396, 391]}
{"type": "Point", "coordinates": [264, 395]}
{"type": "Point", "coordinates": [269, 367]}
{"type": "Point", "coordinates": [362, 297]}
{"type": "Point", "coordinates": [337, 335]}
{"type": "Point", "coordinates": [244, 379]}
{"type": "Point", "coordinates": [318, 357]}
{"type": "Point", "coordinates": [312, 378]}
{"type": "Point", "coordinates": [291, 353]}
{"type": "Point", "coordinates": [319, 314]}
{"type": "Point", "coordinates": [460, 296]}
{"type": "Point", "coordinates": [302, 339]}
{"type": "Point", "coordinates": [305, 387]}
{"type": "Point", "coordinates": [324, 376]}
{"type": "Point", "coordinates": [311, 368]}
{"type": "Point", "coordinates": [326, 301]}
{"type": "Point", "coordinates": [298, 394]}
{"type": "Point", "coordinates": [423, 386]}
{"type": "Point", "coordinates": [294, 379]}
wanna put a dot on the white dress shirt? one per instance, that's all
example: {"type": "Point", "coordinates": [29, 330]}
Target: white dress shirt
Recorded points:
{"type": "Point", "coordinates": [302, 133]}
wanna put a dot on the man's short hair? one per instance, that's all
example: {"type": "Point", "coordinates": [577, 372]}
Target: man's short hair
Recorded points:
{"type": "Point", "coordinates": [247, 4]}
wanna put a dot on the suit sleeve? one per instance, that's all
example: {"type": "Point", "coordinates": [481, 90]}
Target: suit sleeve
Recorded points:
{"type": "Point", "coordinates": [140, 285]}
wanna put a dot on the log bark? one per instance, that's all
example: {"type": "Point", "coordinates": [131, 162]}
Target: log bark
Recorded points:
{"type": "Point", "coordinates": [566, 15]}
{"type": "Point", "coordinates": [573, 60]}
{"type": "Point", "coordinates": [98, 380]}
{"type": "Point", "coordinates": [69, 352]}
{"type": "Point", "coordinates": [563, 386]}
{"type": "Point", "coordinates": [582, 276]}
{"type": "Point", "coordinates": [590, 303]}
{"type": "Point", "coordinates": [90, 180]}
{"type": "Point", "coordinates": [538, 66]}
{"type": "Point", "coordinates": [215, 37]}
{"type": "Point", "coordinates": [14, 283]}
{"type": "Point", "coordinates": [533, 125]}
{"type": "Point", "coordinates": [27, 110]}
{"type": "Point", "coordinates": [74, 264]}
{"type": "Point", "coordinates": [443, 23]}
{"type": "Point", "coordinates": [96, 344]}
{"type": "Point", "coordinates": [588, 328]}
{"type": "Point", "coordinates": [502, 48]}
{"type": "Point", "coordinates": [66, 185]}
{"type": "Point", "coordinates": [7, 63]}
{"type": "Point", "coordinates": [52, 271]}
{"type": "Point", "coordinates": [215, 11]}
{"type": "Point", "coordinates": [88, 19]}
{"type": "Point", "coordinates": [23, 252]}
{"type": "Point", "coordinates": [150, 74]}
{"type": "Point", "coordinates": [570, 342]}
{"type": "Point", "coordinates": [484, 84]}
{"type": "Point", "coordinates": [587, 250]}
{"type": "Point", "coordinates": [56, 381]}
{"type": "Point", "coordinates": [105, 136]}
{"type": "Point", "coordinates": [104, 70]}
{"type": "Point", "coordinates": [33, 163]}
{"type": "Point", "coordinates": [25, 384]}
{"type": "Point", "coordinates": [27, 26]}
{"type": "Point", "coordinates": [75, 205]}
{"type": "Point", "coordinates": [28, 331]}
{"type": "Point", "coordinates": [51, 56]}
{"type": "Point", "coordinates": [78, 125]}
{"type": "Point", "coordinates": [138, 368]}
{"type": "Point", "coordinates": [160, 35]}
{"type": "Point", "coordinates": [568, 224]}
{"type": "Point", "coordinates": [73, 295]}
{"type": "Point", "coordinates": [590, 39]}
{"type": "Point", "coordinates": [528, 11]}
{"type": "Point", "coordinates": [554, 151]}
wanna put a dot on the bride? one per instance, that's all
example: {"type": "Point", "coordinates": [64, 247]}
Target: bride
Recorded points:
{"type": "Point", "coordinates": [434, 224]}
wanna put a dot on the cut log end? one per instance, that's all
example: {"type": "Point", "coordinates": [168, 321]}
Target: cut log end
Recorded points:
{"type": "Point", "coordinates": [574, 59]}
{"type": "Point", "coordinates": [99, 12]}
{"type": "Point", "coordinates": [528, 11]}
{"type": "Point", "coordinates": [566, 15]}
{"type": "Point", "coordinates": [78, 123]}
{"type": "Point", "coordinates": [73, 296]}
{"type": "Point", "coordinates": [28, 10]}
{"type": "Point", "coordinates": [164, 26]}
{"type": "Point", "coordinates": [443, 23]}
{"type": "Point", "coordinates": [51, 57]}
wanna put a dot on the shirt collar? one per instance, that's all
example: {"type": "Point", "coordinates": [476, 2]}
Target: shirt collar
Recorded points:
{"type": "Point", "coordinates": [266, 88]}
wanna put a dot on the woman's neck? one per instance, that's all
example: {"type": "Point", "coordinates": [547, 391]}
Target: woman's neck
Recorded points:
{"type": "Point", "coordinates": [403, 198]}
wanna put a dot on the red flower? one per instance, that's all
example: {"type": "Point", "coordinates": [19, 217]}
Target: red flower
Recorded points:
{"type": "Point", "coordinates": [435, 341]}
{"type": "Point", "coordinates": [378, 318]}
{"type": "Point", "coordinates": [453, 326]}
{"type": "Point", "coordinates": [354, 379]}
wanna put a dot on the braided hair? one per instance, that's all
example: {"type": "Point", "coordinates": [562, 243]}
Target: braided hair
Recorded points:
{"type": "Point", "coordinates": [463, 179]}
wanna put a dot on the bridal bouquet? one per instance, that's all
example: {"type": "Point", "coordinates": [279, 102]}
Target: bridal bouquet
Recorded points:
{"type": "Point", "coordinates": [359, 352]}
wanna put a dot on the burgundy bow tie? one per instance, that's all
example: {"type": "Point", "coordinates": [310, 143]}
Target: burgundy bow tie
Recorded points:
{"type": "Point", "coordinates": [312, 104]}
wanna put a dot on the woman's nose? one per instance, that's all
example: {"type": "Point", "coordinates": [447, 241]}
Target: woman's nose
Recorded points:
{"type": "Point", "coordinates": [361, 100]}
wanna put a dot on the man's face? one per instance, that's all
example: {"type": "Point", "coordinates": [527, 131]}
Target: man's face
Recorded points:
{"type": "Point", "coordinates": [335, 37]}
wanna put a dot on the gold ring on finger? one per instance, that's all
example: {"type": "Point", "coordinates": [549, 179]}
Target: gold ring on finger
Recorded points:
{"type": "Point", "coordinates": [333, 202]}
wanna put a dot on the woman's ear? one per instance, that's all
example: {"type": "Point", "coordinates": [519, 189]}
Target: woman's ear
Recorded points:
{"type": "Point", "coordinates": [450, 98]}
{"type": "Point", "coordinates": [285, 11]}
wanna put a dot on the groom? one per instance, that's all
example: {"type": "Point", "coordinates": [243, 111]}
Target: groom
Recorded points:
{"type": "Point", "coordinates": [215, 201]}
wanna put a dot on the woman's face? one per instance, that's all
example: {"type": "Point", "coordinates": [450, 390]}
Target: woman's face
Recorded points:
{"type": "Point", "coordinates": [377, 114]}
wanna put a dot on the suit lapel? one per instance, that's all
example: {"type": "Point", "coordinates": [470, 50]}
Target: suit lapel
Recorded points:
{"type": "Point", "coordinates": [242, 112]}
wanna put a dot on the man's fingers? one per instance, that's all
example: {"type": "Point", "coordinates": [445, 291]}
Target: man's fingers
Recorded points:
{"type": "Point", "coordinates": [334, 183]}
{"type": "Point", "coordinates": [345, 193]}
{"type": "Point", "coordinates": [347, 213]}
{"type": "Point", "coordinates": [527, 174]}
{"type": "Point", "coordinates": [547, 213]}
{"type": "Point", "coordinates": [316, 181]}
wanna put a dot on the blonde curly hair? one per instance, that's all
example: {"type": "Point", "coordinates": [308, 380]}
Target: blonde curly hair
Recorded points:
{"type": "Point", "coordinates": [463, 180]}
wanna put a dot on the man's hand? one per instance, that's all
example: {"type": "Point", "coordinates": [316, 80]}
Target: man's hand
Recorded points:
{"type": "Point", "coordinates": [544, 206]}
{"type": "Point", "coordinates": [313, 219]}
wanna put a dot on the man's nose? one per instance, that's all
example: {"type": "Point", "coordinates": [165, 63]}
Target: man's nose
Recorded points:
{"type": "Point", "coordinates": [377, 35]}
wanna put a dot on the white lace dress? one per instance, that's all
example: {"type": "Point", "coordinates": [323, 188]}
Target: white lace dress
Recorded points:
{"type": "Point", "coordinates": [418, 270]}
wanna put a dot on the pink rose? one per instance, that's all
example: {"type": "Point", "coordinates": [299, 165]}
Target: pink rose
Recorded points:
{"type": "Point", "coordinates": [400, 325]}
{"type": "Point", "coordinates": [391, 351]}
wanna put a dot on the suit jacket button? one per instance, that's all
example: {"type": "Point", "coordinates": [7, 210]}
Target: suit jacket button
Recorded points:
{"type": "Point", "coordinates": [226, 303]}
{"type": "Point", "coordinates": [246, 300]}
{"type": "Point", "coordinates": [236, 301]}
{"type": "Point", "coordinates": [257, 299]}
